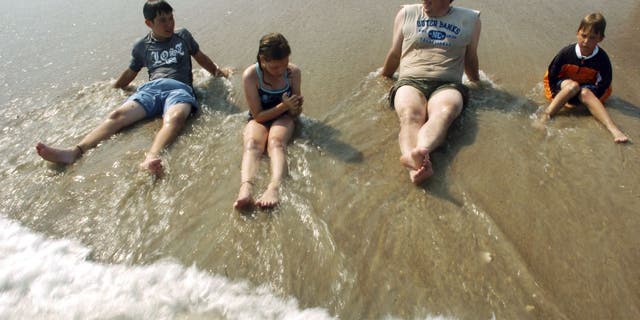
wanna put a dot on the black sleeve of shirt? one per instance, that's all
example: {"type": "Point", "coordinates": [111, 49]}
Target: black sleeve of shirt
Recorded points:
{"type": "Point", "coordinates": [606, 74]}
{"type": "Point", "coordinates": [556, 66]}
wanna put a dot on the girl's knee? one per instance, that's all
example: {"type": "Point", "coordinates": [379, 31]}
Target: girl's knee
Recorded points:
{"type": "Point", "coordinates": [276, 143]}
{"type": "Point", "coordinates": [253, 145]}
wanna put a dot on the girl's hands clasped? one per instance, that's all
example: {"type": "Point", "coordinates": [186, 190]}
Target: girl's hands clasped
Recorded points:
{"type": "Point", "coordinates": [293, 103]}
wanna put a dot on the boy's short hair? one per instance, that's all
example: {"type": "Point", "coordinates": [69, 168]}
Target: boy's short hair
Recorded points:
{"type": "Point", "coordinates": [594, 22]}
{"type": "Point", "coordinates": [152, 8]}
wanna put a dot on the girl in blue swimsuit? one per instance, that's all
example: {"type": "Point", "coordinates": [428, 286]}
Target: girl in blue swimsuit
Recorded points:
{"type": "Point", "coordinates": [272, 90]}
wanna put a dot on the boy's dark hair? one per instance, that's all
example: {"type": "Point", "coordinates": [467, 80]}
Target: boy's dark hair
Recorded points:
{"type": "Point", "coordinates": [152, 8]}
{"type": "Point", "coordinates": [273, 46]}
{"type": "Point", "coordinates": [594, 22]}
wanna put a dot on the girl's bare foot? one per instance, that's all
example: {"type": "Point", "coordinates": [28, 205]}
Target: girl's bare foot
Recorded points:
{"type": "Point", "coordinates": [245, 198]}
{"type": "Point", "coordinates": [269, 198]}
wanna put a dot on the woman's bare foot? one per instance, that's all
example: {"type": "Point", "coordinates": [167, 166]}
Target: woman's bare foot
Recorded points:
{"type": "Point", "coordinates": [269, 198]}
{"type": "Point", "coordinates": [416, 159]}
{"type": "Point", "coordinates": [152, 164]}
{"type": "Point", "coordinates": [422, 174]}
{"type": "Point", "coordinates": [245, 197]}
{"type": "Point", "coordinates": [61, 156]}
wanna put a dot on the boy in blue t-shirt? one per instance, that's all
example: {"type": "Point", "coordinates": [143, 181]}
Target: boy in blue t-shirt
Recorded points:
{"type": "Point", "coordinates": [167, 56]}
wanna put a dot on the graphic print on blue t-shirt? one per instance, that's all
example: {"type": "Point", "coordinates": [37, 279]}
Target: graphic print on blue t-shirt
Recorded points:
{"type": "Point", "coordinates": [166, 57]}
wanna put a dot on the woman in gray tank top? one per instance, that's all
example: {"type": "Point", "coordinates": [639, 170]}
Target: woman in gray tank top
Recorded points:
{"type": "Point", "coordinates": [433, 43]}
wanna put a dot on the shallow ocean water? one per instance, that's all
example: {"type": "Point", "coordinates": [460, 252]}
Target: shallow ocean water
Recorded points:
{"type": "Point", "coordinates": [516, 223]}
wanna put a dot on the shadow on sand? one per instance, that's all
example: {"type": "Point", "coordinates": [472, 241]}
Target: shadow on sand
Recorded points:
{"type": "Point", "coordinates": [463, 132]}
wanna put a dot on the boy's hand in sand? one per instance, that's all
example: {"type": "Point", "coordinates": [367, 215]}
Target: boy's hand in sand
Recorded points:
{"type": "Point", "coordinates": [223, 72]}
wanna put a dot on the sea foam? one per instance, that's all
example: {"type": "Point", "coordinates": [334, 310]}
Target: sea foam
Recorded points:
{"type": "Point", "coordinates": [43, 278]}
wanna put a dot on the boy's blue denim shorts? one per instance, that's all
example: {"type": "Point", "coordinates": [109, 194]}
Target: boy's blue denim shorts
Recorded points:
{"type": "Point", "coordinates": [157, 96]}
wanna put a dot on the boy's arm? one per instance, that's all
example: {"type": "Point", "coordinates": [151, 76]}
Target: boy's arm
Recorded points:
{"type": "Point", "coordinates": [392, 61]}
{"type": "Point", "coordinates": [125, 78]}
{"type": "Point", "coordinates": [471, 65]}
{"type": "Point", "coordinates": [606, 76]}
{"type": "Point", "coordinates": [554, 70]}
{"type": "Point", "coordinates": [208, 64]}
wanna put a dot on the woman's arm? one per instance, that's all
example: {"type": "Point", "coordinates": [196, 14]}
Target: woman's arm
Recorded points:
{"type": "Point", "coordinates": [471, 64]}
{"type": "Point", "coordinates": [392, 61]}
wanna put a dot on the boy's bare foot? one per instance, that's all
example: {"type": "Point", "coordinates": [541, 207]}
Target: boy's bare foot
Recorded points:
{"type": "Point", "coordinates": [269, 198]}
{"type": "Point", "coordinates": [61, 156]}
{"type": "Point", "coordinates": [422, 174]}
{"type": "Point", "coordinates": [540, 121]}
{"type": "Point", "coordinates": [245, 198]}
{"type": "Point", "coordinates": [152, 164]}
{"type": "Point", "coordinates": [416, 159]}
{"type": "Point", "coordinates": [619, 136]}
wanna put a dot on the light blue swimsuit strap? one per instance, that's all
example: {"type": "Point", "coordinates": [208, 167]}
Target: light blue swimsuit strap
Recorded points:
{"type": "Point", "coordinates": [260, 82]}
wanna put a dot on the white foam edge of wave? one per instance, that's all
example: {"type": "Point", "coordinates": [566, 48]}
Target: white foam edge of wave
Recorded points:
{"type": "Point", "coordinates": [44, 278]}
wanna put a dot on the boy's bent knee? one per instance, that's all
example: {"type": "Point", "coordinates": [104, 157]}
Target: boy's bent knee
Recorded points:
{"type": "Point", "coordinates": [175, 120]}
{"type": "Point", "coordinates": [130, 111]}
{"type": "Point", "coordinates": [177, 115]}
{"type": "Point", "coordinates": [586, 93]}
{"type": "Point", "coordinates": [572, 86]}
{"type": "Point", "coordinates": [117, 115]}
{"type": "Point", "coordinates": [181, 109]}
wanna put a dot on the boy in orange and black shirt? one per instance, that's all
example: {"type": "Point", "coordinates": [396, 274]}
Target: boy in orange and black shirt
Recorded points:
{"type": "Point", "coordinates": [581, 74]}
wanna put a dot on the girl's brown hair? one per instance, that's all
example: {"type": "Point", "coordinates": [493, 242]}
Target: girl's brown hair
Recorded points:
{"type": "Point", "coordinates": [273, 46]}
